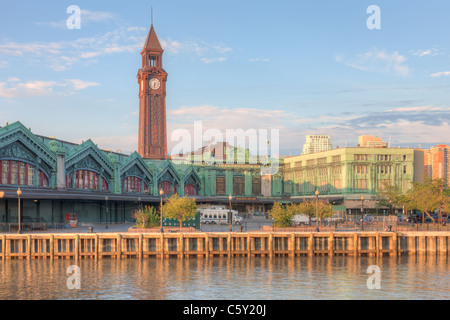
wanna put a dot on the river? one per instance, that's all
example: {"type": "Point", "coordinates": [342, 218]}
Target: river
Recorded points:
{"type": "Point", "coordinates": [278, 278]}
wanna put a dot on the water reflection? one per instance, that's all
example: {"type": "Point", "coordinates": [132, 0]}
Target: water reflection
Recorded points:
{"type": "Point", "coordinates": [405, 277]}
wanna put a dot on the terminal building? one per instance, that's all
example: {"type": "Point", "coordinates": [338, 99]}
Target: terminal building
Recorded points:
{"type": "Point", "coordinates": [57, 177]}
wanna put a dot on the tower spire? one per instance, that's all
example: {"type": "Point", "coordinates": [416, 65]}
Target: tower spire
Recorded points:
{"type": "Point", "coordinates": [152, 14]}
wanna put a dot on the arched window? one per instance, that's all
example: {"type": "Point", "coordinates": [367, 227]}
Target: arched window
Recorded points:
{"type": "Point", "coordinates": [86, 180]}
{"type": "Point", "coordinates": [134, 184]}
{"type": "Point", "coordinates": [190, 190]}
{"type": "Point", "coordinates": [168, 187]}
{"type": "Point", "coordinates": [21, 173]}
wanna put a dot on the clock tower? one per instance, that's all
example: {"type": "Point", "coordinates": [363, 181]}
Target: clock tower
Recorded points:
{"type": "Point", "coordinates": [152, 100]}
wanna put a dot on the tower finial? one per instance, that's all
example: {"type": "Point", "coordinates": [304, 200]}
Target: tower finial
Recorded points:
{"type": "Point", "coordinates": [152, 14]}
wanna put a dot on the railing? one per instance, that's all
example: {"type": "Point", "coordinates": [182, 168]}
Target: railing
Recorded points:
{"type": "Point", "coordinates": [248, 225]}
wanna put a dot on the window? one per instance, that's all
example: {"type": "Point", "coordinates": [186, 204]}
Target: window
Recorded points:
{"type": "Point", "coordinates": [335, 170]}
{"type": "Point", "coordinates": [220, 185]}
{"type": "Point", "coordinates": [383, 183]}
{"type": "Point", "coordinates": [167, 187]}
{"type": "Point", "coordinates": [5, 172]}
{"type": "Point", "coordinates": [384, 169]}
{"type": "Point", "coordinates": [336, 159]}
{"type": "Point", "coordinates": [404, 169]}
{"type": "Point", "coordinates": [361, 169]}
{"type": "Point", "coordinates": [361, 157]}
{"type": "Point", "coordinates": [84, 179]}
{"type": "Point", "coordinates": [336, 185]}
{"type": "Point", "coordinates": [298, 164]}
{"type": "Point", "coordinates": [256, 185]}
{"type": "Point", "coordinates": [238, 185]}
{"type": "Point", "coordinates": [361, 184]}
{"type": "Point", "coordinates": [133, 184]}
{"type": "Point", "coordinates": [310, 162]}
{"type": "Point", "coordinates": [190, 190]}
{"type": "Point", "coordinates": [321, 160]}
{"type": "Point", "coordinates": [13, 172]}
{"type": "Point", "coordinates": [19, 173]}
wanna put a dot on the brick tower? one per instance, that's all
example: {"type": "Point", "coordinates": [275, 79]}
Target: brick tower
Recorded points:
{"type": "Point", "coordinates": [152, 100]}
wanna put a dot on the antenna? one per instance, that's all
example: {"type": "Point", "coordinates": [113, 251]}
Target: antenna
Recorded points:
{"type": "Point", "coordinates": [152, 14]}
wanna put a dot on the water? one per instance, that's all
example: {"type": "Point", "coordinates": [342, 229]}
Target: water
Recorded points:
{"type": "Point", "coordinates": [279, 278]}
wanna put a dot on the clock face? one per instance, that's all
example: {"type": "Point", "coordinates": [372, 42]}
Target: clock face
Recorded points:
{"type": "Point", "coordinates": [154, 84]}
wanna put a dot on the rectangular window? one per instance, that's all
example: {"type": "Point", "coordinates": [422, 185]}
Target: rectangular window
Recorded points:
{"type": "Point", "coordinates": [220, 185]}
{"type": "Point", "coordinates": [360, 184]}
{"type": "Point", "coordinates": [5, 172]}
{"type": "Point", "coordinates": [238, 185]}
{"type": "Point", "coordinates": [256, 186]}
{"type": "Point", "coordinates": [30, 175]}
{"type": "Point", "coordinates": [14, 172]}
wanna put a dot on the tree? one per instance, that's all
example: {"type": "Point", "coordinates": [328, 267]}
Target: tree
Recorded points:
{"type": "Point", "coordinates": [146, 218]}
{"type": "Point", "coordinates": [180, 208]}
{"type": "Point", "coordinates": [428, 196]}
{"type": "Point", "coordinates": [280, 215]}
{"type": "Point", "coordinates": [307, 207]}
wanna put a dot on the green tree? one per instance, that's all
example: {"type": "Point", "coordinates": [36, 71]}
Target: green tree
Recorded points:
{"type": "Point", "coordinates": [428, 196]}
{"type": "Point", "coordinates": [146, 218]}
{"type": "Point", "coordinates": [280, 215]}
{"type": "Point", "coordinates": [392, 196]}
{"type": "Point", "coordinates": [180, 208]}
{"type": "Point", "coordinates": [307, 207]}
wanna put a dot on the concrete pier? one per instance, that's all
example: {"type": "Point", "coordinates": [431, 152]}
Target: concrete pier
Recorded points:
{"type": "Point", "coordinates": [205, 245]}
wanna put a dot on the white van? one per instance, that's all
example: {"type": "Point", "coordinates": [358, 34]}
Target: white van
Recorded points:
{"type": "Point", "coordinates": [300, 220]}
{"type": "Point", "coordinates": [219, 216]}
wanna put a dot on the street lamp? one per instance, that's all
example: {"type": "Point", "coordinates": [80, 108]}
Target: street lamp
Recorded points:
{"type": "Point", "coordinates": [19, 192]}
{"type": "Point", "coordinates": [390, 212]}
{"type": "Point", "coordinates": [362, 211]}
{"type": "Point", "coordinates": [317, 210]}
{"type": "Point", "coordinates": [106, 200]}
{"type": "Point", "coordinates": [230, 218]}
{"type": "Point", "coordinates": [161, 193]}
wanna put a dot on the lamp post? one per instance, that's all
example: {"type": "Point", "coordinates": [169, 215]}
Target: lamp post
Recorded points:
{"type": "Point", "coordinates": [317, 210]}
{"type": "Point", "coordinates": [362, 212]}
{"type": "Point", "coordinates": [390, 212]}
{"type": "Point", "coordinates": [161, 193]}
{"type": "Point", "coordinates": [230, 217]}
{"type": "Point", "coordinates": [19, 192]}
{"type": "Point", "coordinates": [107, 210]}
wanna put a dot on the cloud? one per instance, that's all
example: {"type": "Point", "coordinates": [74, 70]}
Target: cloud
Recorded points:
{"type": "Point", "coordinates": [405, 125]}
{"type": "Point", "coordinates": [63, 55]}
{"type": "Point", "coordinates": [441, 74]}
{"type": "Point", "coordinates": [81, 85]}
{"type": "Point", "coordinates": [428, 52]}
{"type": "Point", "coordinates": [14, 88]}
{"type": "Point", "coordinates": [207, 52]}
{"type": "Point", "coordinates": [212, 60]}
{"type": "Point", "coordinates": [259, 60]}
{"type": "Point", "coordinates": [377, 61]}
{"type": "Point", "coordinates": [4, 64]}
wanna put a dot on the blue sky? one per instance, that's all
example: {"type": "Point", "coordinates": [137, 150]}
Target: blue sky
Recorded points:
{"type": "Point", "coordinates": [302, 67]}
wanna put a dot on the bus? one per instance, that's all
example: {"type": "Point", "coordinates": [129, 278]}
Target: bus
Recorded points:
{"type": "Point", "coordinates": [216, 215]}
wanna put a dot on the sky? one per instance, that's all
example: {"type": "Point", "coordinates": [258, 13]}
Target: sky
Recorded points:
{"type": "Point", "coordinates": [299, 67]}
